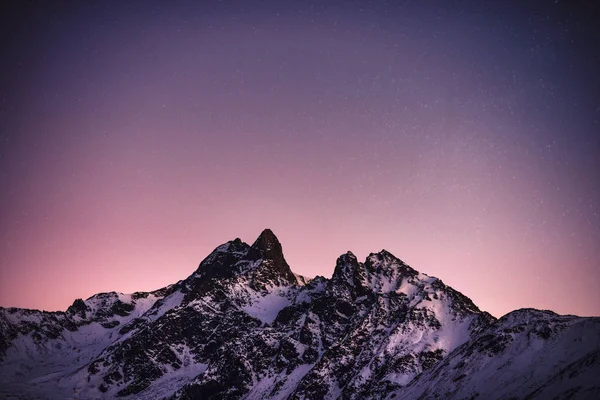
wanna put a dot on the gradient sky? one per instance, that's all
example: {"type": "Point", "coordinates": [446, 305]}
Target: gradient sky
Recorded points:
{"type": "Point", "coordinates": [461, 136]}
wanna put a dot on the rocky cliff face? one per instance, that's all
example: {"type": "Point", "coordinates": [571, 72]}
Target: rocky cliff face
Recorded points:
{"type": "Point", "coordinates": [243, 326]}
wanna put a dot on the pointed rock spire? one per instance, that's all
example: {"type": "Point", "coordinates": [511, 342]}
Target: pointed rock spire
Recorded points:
{"type": "Point", "coordinates": [350, 274]}
{"type": "Point", "coordinates": [268, 243]}
{"type": "Point", "coordinates": [270, 248]}
{"type": "Point", "coordinates": [346, 264]}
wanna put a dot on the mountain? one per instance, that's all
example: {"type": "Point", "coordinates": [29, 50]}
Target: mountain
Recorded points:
{"type": "Point", "coordinates": [244, 326]}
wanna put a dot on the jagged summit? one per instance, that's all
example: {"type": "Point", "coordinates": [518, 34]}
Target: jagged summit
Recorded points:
{"type": "Point", "coordinates": [347, 267]}
{"type": "Point", "coordinates": [265, 257]}
{"type": "Point", "coordinates": [269, 246]}
{"type": "Point", "coordinates": [271, 251]}
{"type": "Point", "coordinates": [262, 263]}
{"type": "Point", "coordinates": [267, 241]}
{"type": "Point", "coordinates": [243, 326]}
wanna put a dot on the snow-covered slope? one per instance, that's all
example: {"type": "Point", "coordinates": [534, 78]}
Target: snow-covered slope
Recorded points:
{"type": "Point", "coordinates": [527, 354]}
{"type": "Point", "coordinates": [41, 347]}
{"type": "Point", "coordinates": [244, 326]}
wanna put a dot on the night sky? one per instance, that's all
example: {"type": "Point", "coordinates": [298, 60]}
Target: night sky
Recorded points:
{"type": "Point", "coordinates": [461, 136]}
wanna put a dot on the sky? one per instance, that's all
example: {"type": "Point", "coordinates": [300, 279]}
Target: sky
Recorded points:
{"type": "Point", "coordinates": [461, 136]}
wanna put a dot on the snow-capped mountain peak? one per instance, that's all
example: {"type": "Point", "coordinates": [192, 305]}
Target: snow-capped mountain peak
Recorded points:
{"type": "Point", "coordinates": [244, 326]}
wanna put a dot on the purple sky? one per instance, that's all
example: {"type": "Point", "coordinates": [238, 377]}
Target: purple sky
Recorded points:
{"type": "Point", "coordinates": [464, 139]}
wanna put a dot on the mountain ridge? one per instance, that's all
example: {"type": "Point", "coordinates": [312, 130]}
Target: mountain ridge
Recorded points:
{"type": "Point", "coordinates": [243, 325]}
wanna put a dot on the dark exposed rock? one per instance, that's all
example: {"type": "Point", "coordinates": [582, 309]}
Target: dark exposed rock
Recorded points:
{"type": "Point", "coordinates": [78, 307]}
{"type": "Point", "coordinates": [244, 326]}
{"type": "Point", "coordinates": [278, 270]}
{"type": "Point", "coordinates": [111, 324]}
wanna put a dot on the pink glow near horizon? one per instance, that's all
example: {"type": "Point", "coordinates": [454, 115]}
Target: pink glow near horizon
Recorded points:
{"type": "Point", "coordinates": [137, 144]}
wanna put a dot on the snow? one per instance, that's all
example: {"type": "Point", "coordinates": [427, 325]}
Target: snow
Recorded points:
{"type": "Point", "coordinates": [170, 382]}
{"type": "Point", "coordinates": [454, 331]}
{"type": "Point", "coordinates": [408, 288]}
{"type": "Point", "coordinates": [35, 368]}
{"type": "Point", "coordinates": [301, 279]}
{"type": "Point", "coordinates": [164, 305]}
{"type": "Point", "coordinates": [530, 364]}
{"type": "Point", "coordinates": [266, 307]}
{"type": "Point", "coordinates": [20, 316]}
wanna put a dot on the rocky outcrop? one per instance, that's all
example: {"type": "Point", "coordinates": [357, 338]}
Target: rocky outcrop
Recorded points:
{"type": "Point", "coordinates": [244, 326]}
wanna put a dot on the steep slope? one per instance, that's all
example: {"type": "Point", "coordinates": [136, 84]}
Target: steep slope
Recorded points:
{"type": "Point", "coordinates": [235, 291]}
{"type": "Point", "coordinates": [387, 323]}
{"type": "Point", "coordinates": [243, 325]}
{"type": "Point", "coordinates": [41, 346]}
{"type": "Point", "coordinates": [527, 354]}
{"type": "Point", "coordinates": [367, 330]}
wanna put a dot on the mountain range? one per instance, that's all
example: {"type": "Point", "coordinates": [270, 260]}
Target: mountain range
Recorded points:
{"type": "Point", "coordinates": [244, 326]}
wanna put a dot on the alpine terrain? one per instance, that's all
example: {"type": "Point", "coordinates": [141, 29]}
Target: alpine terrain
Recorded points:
{"type": "Point", "coordinates": [244, 326]}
